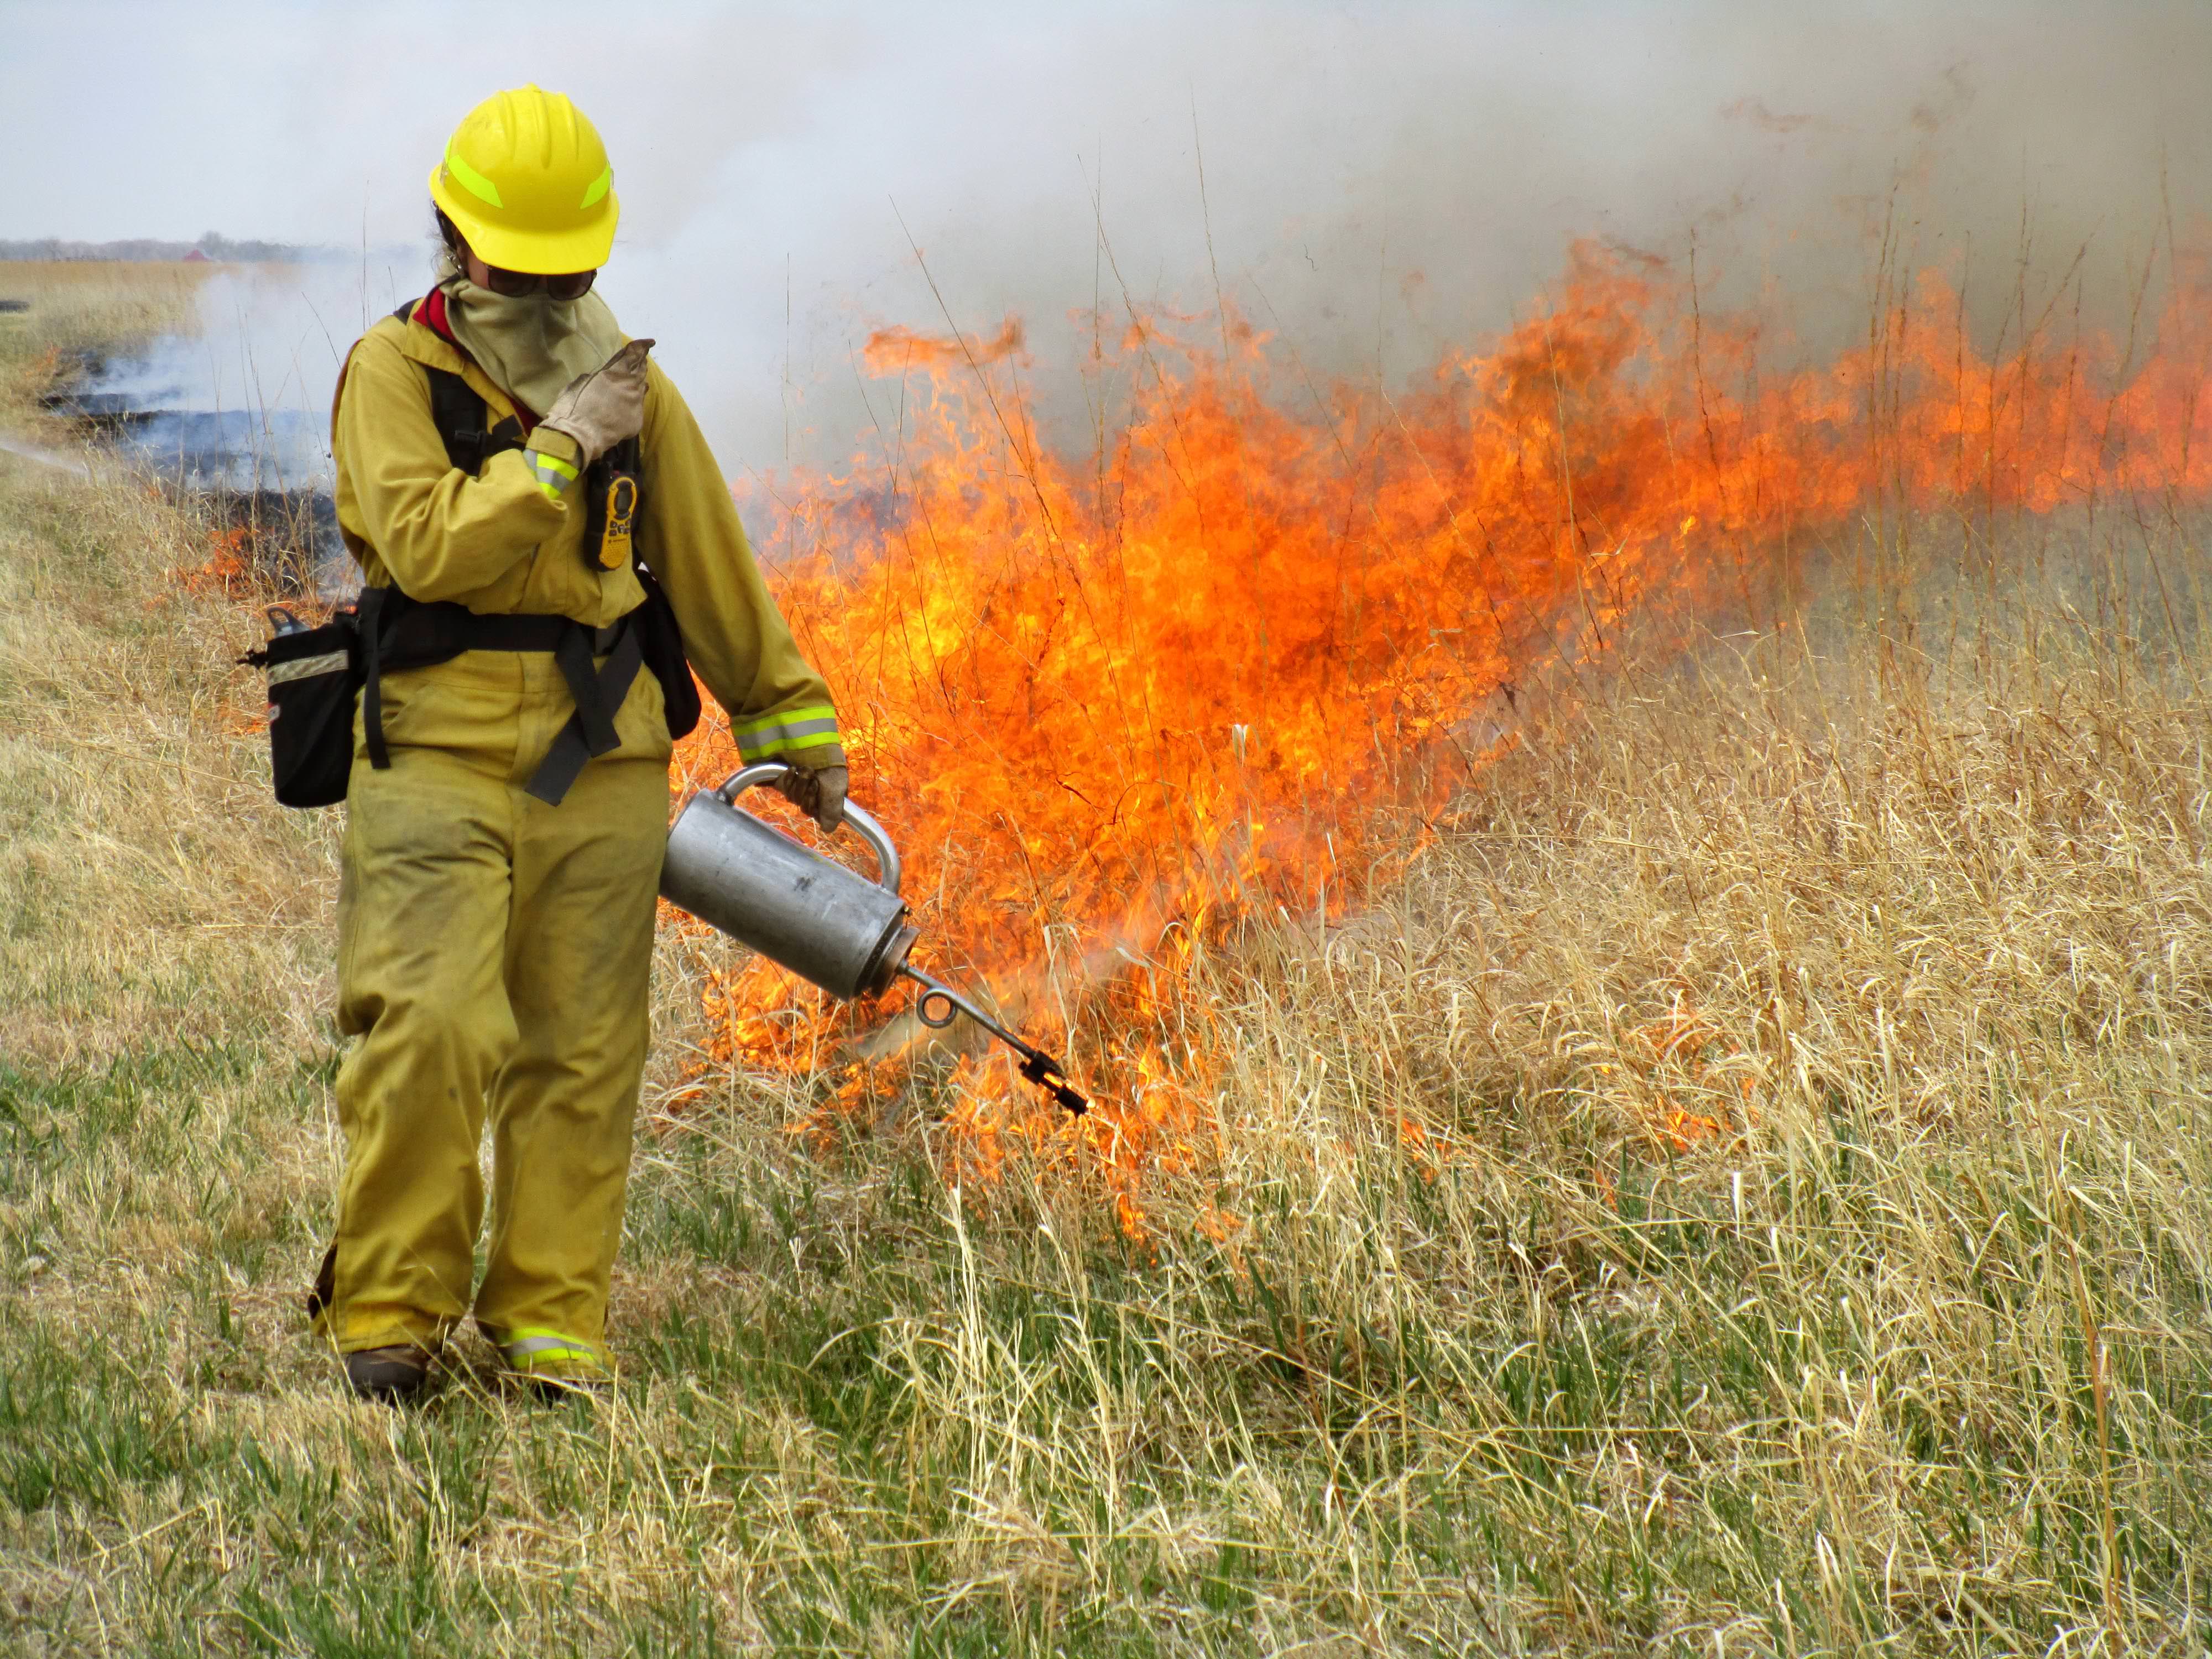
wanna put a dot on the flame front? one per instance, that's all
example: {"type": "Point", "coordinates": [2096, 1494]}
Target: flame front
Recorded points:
{"type": "Point", "coordinates": [1216, 665]}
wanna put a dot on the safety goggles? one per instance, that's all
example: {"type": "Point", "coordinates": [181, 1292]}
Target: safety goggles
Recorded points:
{"type": "Point", "coordinates": [570, 285]}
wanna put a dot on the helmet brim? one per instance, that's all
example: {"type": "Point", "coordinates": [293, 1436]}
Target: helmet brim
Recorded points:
{"type": "Point", "coordinates": [583, 247]}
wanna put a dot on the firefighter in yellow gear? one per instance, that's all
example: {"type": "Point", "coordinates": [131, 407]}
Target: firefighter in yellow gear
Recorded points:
{"type": "Point", "coordinates": [495, 946]}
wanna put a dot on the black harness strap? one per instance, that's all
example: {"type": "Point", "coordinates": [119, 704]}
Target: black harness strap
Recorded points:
{"type": "Point", "coordinates": [459, 413]}
{"type": "Point", "coordinates": [590, 730]}
{"type": "Point", "coordinates": [594, 719]}
{"type": "Point", "coordinates": [368, 618]}
{"type": "Point", "coordinates": [398, 632]}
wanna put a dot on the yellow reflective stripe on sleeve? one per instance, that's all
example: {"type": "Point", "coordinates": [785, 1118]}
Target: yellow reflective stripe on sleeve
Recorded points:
{"type": "Point", "coordinates": [787, 745]}
{"type": "Point", "coordinates": [553, 474]}
{"type": "Point", "coordinates": [782, 734]}
{"type": "Point", "coordinates": [472, 181]}
{"type": "Point", "coordinates": [763, 722]}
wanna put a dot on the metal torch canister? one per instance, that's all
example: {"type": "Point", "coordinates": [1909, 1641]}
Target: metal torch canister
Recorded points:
{"type": "Point", "coordinates": [840, 931]}
{"type": "Point", "coordinates": [836, 929]}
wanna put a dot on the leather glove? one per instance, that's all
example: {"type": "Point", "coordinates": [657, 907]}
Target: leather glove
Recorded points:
{"type": "Point", "coordinates": [601, 409]}
{"type": "Point", "coordinates": [820, 795]}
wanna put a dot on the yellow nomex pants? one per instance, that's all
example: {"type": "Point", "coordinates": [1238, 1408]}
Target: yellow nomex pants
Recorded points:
{"type": "Point", "coordinates": [494, 954]}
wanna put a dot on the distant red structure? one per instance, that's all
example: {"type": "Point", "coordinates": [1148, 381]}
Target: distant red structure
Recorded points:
{"type": "Point", "coordinates": [196, 257]}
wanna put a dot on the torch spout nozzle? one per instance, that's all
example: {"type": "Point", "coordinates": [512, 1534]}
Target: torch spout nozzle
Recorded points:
{"type": "Point", "coordinates": [939, 1005]}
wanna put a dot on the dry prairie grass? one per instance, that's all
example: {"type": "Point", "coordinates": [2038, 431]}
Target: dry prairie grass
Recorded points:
{"type": "Point", "coordinates": [1471, 1338]}
{"type": "Point", "coordinates": [78, 313]}
{"type": "Point", "coordinates": [79, 307]}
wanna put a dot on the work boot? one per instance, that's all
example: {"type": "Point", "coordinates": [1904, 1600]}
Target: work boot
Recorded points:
{"type": "Point", "coordinates": [391, 1377]}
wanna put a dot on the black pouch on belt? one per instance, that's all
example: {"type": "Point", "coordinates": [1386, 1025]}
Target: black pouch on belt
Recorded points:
{"type": "Point", "coordinates": [314, 680]}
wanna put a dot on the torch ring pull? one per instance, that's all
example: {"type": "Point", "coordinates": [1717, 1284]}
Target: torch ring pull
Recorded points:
{"type": "Point", "coordinates": [936, 997]}
{"type": "Point", "coordinates": [939, 1005]}
{"type": "Point", "coordinates": [889, 872]}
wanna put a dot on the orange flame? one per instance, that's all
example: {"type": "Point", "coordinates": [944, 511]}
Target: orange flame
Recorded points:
{"type": "Point", "coordinates": [1109, 702]}
{"type": "Point", "coordinates": [226, 565]}
{"type": "Point", "coordinates": [897, 351]}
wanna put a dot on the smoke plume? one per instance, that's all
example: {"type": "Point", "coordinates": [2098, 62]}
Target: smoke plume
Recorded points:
{"type": "Point", "coordinates": [1375, 184]}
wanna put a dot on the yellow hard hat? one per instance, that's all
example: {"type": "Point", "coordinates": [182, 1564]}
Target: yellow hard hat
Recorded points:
{"type": "Point", "coordinates": [526, 179]}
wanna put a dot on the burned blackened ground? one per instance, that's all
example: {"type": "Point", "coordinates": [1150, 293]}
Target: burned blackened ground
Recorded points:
{"type": "Point", "coordinates": [263, 476]}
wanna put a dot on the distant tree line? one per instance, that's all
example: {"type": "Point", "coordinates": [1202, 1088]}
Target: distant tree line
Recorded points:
{"type": "Point", "coordinates": [213, 246]}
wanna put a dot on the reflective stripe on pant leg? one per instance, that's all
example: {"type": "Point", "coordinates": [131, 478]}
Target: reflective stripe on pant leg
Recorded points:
{"type": "Point", "coordinates": [533, 1350]}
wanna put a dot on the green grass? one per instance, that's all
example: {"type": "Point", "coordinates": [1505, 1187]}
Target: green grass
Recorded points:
{"type": "Point", "coordinates": [854, 1417]}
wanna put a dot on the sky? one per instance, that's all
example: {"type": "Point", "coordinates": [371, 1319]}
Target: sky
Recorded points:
{"type": "Point", "coordinates": [1377, 183]}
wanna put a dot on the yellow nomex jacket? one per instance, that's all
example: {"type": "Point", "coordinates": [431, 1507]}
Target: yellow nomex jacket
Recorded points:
{"type": "Point", "coordinates": [498, 543]}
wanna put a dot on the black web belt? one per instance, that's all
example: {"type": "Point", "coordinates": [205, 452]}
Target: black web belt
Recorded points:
{"type": "Point", "coordinates": [414, 635]}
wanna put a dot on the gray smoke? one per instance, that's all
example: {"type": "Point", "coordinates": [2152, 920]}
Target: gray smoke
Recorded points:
{"type": "Point", "coordinates": [241, 399]}
{"type": "Point", "coordinates": [1381, 182]}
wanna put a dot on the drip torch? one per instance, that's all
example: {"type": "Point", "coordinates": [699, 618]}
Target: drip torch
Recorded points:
{"type": "Point", "coordinates": [830, 927]}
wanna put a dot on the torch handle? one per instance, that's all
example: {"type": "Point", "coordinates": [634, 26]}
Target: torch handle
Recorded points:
{"type": "Point", "coordinates": [889, 872]}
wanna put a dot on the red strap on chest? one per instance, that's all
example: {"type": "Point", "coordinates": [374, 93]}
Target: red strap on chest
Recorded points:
{"type": "Point", "coordinates": [431, 313]}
